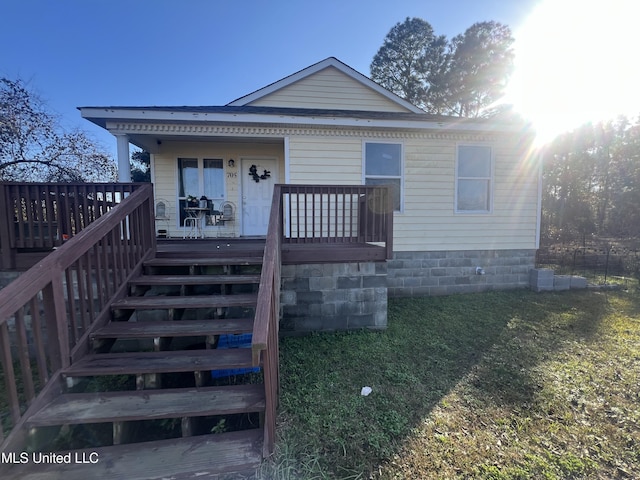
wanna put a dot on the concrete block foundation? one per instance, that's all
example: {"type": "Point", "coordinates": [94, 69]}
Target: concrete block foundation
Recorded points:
{"type": "Point", "coordinates": [451, 272]}
{"type": "Point", "coordinates": [333, 296]}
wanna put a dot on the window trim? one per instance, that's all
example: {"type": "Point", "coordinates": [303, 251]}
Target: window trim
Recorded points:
{"type": "Point", "coordinates": [400, 177]}
{"type": "Point", "coordinates": [490, 178]}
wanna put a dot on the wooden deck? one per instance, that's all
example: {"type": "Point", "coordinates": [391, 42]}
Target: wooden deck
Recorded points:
{"type": "Point", "coordinates": [114, 283]}
{"type": "Point", "coordinates": [292, 253]}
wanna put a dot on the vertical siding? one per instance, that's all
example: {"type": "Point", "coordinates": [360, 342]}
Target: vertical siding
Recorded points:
{"type": "Point", "coordinates": [329, 89]}
{"type": "Point", "coordinates": [166, 175]}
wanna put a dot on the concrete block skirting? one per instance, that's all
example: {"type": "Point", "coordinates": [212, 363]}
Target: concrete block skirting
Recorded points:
{"type": "Point", "coordinates": [333, 296]}
{"type": "Point", "coordinates": [450, 272]}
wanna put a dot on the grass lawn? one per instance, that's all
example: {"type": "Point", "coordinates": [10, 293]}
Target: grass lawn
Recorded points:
{"type": "Point", "coordinates": [508, 385]}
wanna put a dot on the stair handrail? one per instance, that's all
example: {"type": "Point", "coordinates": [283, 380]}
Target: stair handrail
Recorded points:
{"type": "Point", "coordinates": [68, 294]}
{"type": "Point", "coordinates": [264, 342]}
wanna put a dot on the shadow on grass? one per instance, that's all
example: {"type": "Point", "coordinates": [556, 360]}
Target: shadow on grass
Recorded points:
{"type": "Point", "coordinates": [429, 346]}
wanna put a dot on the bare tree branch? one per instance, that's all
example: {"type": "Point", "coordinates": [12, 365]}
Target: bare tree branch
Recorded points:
{"type": "Point", "coordinates": [34, 147]}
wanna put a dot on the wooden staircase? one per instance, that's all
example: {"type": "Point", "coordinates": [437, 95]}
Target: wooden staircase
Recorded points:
{"type": "Point", "coordinates": [144, 404]}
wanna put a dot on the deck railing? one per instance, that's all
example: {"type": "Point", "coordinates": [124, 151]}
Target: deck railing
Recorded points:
{"type": "Point", "coordinates": [48, 313]}
{"type": "Point", "coordinates": [309, 214]}
{"type": "Point", "coordinates": [338, 214]}
{"type": "Point", "coordinates": [44, 215]}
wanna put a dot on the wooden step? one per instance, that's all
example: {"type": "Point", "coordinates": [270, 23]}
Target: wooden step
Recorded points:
{"type": "Point", "coordinates": [180, 458]}
{"type": "Point", "coordinates": [153, 280]}
{"type": "Point", "coordinates": [183, 328]}
{"type": "Point", "coordinates": [201, 261]}
{"type": "Point", "coordinates": [132, 363]}
{"type": "Point", "coordinates": [77, 408]}
{"type": "Point", "coordinates": [194, 301]}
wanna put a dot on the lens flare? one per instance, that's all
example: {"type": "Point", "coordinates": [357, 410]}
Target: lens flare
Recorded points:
{"type": "Point", "coordinates": [575, 63]}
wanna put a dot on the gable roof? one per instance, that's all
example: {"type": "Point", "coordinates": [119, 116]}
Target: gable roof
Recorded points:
{"type": "Point", "coordinates": [315, 68]}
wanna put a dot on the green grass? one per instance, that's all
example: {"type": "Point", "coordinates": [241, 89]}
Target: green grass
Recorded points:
{"type": "Point", "coordinates": [509, 385]}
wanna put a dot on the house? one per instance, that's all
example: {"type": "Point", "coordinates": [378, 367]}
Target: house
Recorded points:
{"type": "Point", "coordinates": [341, 194]}
{"type": "Point", "coordinates": [466, 192]}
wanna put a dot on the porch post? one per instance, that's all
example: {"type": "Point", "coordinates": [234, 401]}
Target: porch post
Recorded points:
{"type": "Point", "coordinates": [7, 250]}
{"type": "Point", "coordinates": [124, 168]}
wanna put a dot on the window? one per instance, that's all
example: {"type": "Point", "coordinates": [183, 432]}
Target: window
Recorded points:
{"type": "Point", "coordinates": [383, 166]}
{"type": "Point", "coordinates": [473, 179]}
{"type": "Point", "coordinates": [200, 177]}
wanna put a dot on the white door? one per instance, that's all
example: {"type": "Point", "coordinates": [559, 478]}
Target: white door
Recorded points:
{"type": "Point", "coordinates": [257, 190]}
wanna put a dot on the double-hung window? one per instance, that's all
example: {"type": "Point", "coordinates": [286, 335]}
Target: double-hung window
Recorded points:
{"type": "Point", "coordinates": [474, 179]}
{"type": "Point", "coordinates": [197, 177]}
{"type": "Point", "coordinates": [383, 166]}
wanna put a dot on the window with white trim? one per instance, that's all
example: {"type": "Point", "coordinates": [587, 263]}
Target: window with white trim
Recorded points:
{"type": "Point", "coordinates": [197, 177]}
{"type": "Point", "coordinates": [474, 179]}
{"type": "Point", "coordinates": [383, 166]}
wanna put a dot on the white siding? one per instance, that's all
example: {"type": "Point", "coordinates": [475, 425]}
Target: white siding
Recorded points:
{"type": "Point", "coordinates": [329, 89]}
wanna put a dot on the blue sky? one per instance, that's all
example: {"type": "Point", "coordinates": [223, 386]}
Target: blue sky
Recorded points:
{"type": "Point", "coordinates": [201, 52]}
{"type": "Point", "coordinates": [574, 56]}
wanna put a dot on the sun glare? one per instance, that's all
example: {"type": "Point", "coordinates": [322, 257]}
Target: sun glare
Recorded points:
{"type": "Point", "coordinates": [576, 62]}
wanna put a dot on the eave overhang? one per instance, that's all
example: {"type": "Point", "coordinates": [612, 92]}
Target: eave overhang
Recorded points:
{"type": "Point", "coordinates": [110, 117]}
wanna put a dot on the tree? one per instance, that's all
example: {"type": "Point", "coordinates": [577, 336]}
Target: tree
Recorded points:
{"type": "Point", "coordinates": [480, 63]}
{"type": "Point", "coordinates": [140, 172]}
{"type": "Point", "coordinates": [592, 183]}
{"type": "Point", "coordinates": [34, 147]}
{"type": "Point", "coordinates": [462, 77]}
{"type": "Point", "coordinates": [410, 62]}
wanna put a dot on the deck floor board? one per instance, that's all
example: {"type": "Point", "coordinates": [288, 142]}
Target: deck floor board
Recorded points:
{"type": "Point", "coordinates": [153, 280]}
{"type": "Point", "coordinates": [183, 328]}
{"type": "Point", "coordinates": [193, 301]}
{"type": "Point", "coordinates": [77, 408]}
{"type": "Point", "coordinates": [160, 362]}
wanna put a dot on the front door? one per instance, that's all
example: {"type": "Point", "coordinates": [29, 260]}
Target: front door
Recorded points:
{"type": "Point", "coordinates": [259, 175]}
